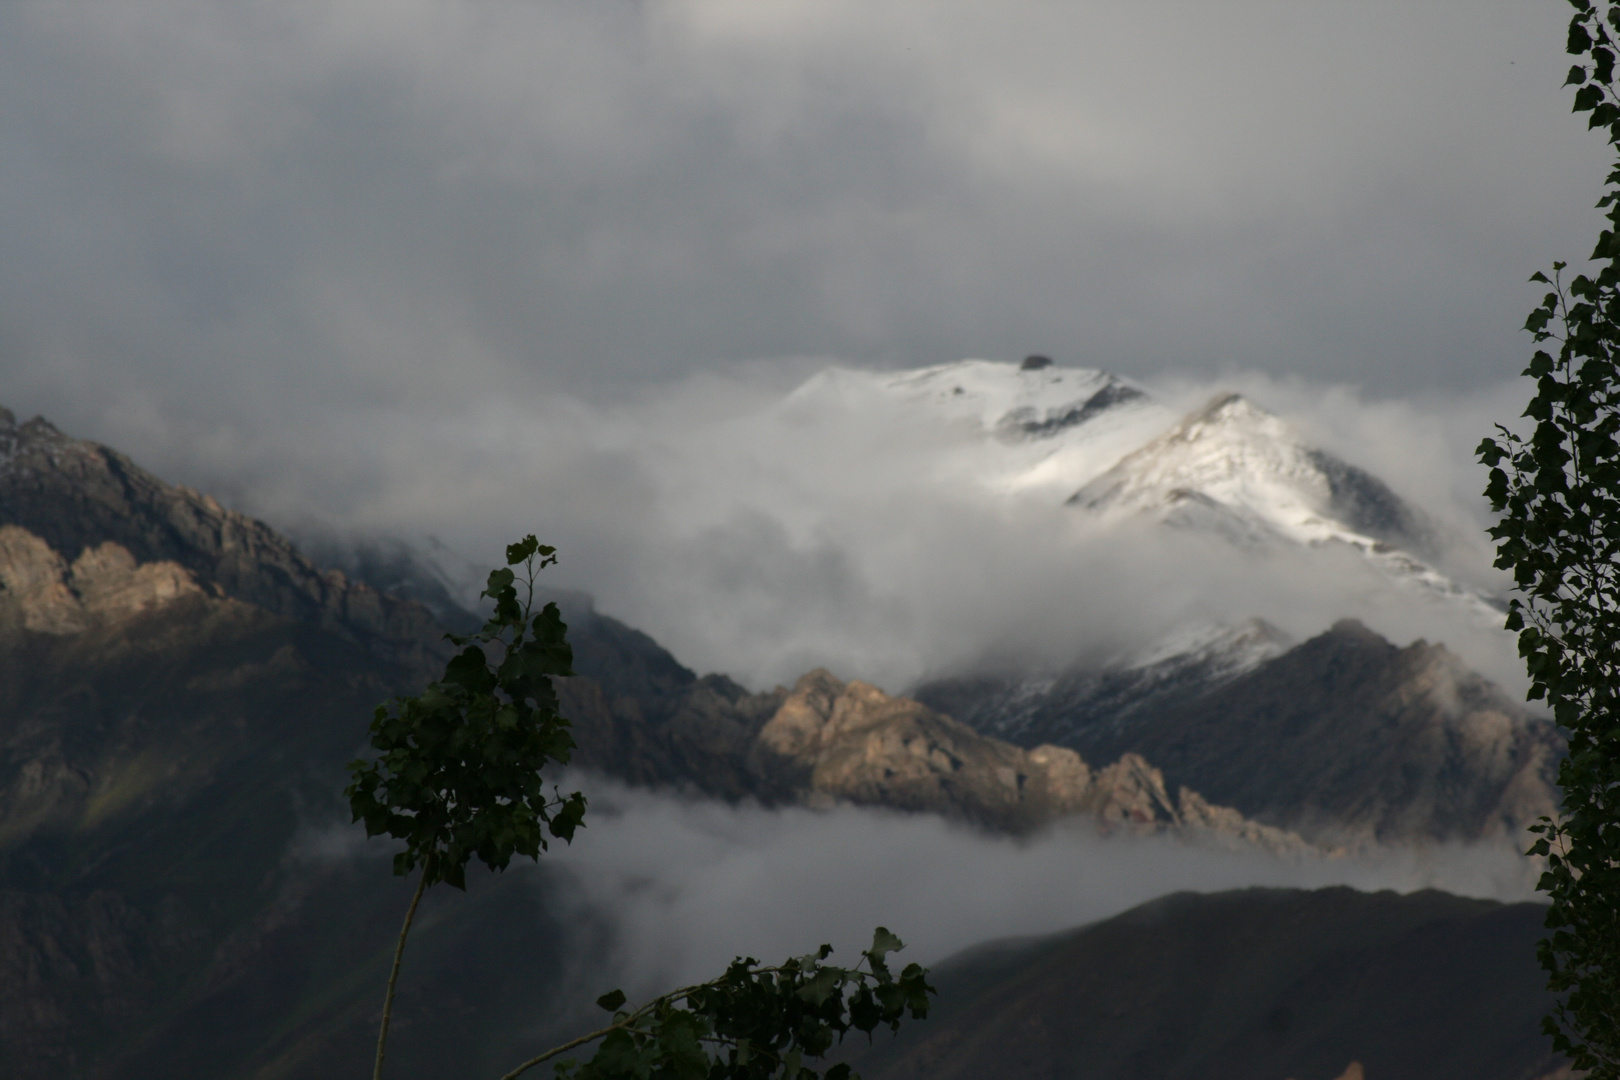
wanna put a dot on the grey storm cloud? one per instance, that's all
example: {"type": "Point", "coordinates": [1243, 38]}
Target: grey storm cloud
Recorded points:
{"type": "Point", "coordinates": [472, 270]}
{"type": "Point", "coordinates": [235, 210]}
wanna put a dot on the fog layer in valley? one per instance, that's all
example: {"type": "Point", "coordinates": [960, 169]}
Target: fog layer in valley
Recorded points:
{"type": "Point", "coordinates": [687, 885]}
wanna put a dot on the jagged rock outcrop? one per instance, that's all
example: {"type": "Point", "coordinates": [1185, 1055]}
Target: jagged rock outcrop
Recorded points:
{"type": "Point", "coordinates": [835, 741]}
{"type": "Point", "coordinates": [76, 495]}
{"type": "Point", "coordinates": [827, 741]}
{"type": "Point", "coordinates": [46, 593]}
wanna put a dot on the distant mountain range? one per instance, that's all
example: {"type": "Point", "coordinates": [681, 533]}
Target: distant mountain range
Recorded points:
{"type": "Point", "coordinates": [182, 687]}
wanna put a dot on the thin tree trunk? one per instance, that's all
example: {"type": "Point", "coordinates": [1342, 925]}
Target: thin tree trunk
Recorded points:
{"type": "Point", "coordinates": [393, 976]}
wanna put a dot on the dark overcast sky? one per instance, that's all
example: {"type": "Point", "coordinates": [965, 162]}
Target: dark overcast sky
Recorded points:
{"type": "Point", "coordinates": [243, 209]}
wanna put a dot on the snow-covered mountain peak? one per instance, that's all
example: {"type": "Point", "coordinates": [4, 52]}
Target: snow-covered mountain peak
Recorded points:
{"type": "Point", "coordinates": [1231, 416]}
{"type": "Point", "coordinates": [1030, 427]}
{"type": "Point", "coordinates": [1048, 434]}
{"type": "Point", "coordinates": [1233, 466]}
{"type": "Point", "coordinates": [1229, 441]}
{"type": "Point", "coordinates": [1018, 401]}
{"type": "Point", "coordinates": [1227, 648]}
{"type": "Point", "coordinates": [1231, 469]}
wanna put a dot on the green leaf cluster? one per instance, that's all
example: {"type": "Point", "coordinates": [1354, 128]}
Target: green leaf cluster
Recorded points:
{"type": "Point", "coordinates": [457, 772]}
{"type": "Point", "coordinates": [751, 1023]}
{"type": "Point", "coordinates": [1558, 493]}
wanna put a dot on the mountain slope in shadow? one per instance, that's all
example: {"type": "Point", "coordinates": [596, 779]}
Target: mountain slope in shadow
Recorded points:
{"type": "Point", "coordinates": [1345, 738]}
{"type": "Point", "coordinates": [1257, 984]}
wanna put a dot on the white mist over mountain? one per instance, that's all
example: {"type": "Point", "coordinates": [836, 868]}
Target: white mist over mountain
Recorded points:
{"type": "Point", "coordinates": [691, 884]}
{"type": "Point", "coordinates": [894, 525]}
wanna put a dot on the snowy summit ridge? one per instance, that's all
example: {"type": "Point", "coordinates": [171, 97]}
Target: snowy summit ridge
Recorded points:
{"type": "Point", "coordinates": [1104, 446]}
{"type": "Point", "coordinates": [1032, 401]}
{"type": "Point", "coordinates": [1036, 429]}
{"type": "Point", "coordinates": [1234, 468]}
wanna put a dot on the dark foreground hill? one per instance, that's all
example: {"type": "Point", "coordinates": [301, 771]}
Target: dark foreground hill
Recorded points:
{"type": "Point", "coordinates": [1260, 984]}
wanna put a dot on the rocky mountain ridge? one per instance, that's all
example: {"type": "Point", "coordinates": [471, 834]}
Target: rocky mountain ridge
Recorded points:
{"type": "Point", "coordinates": [831, 740]}
{"type": "Point", "coordinates": [159, 759]}
{"type": "Point", "coordinates": [669, 726]}
{"type": "Point", "coordinates": [1015, 704]}
{"type": "Point", "coordinates": [1362, 739]}
{"type": "Point", "coordinates": [825, 741]}
{"type": "Point", "coordinates": [76, 495]}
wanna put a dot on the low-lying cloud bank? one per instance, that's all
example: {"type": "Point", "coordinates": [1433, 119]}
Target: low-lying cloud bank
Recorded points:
{"type": "Point", "coordinates": [763, 540]}
{"type": "Point", "coordinates": [686, 885]}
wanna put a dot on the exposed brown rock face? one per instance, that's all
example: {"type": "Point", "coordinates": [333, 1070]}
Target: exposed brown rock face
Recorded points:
{"type": "Point", "coordinates": [104, 583]}
{"type": "Point", "coordinates": [836, 741]}
{"type": "Point", "coordinates": [163, 749]}
{"type": "Point", "coordinates": [157, 743]}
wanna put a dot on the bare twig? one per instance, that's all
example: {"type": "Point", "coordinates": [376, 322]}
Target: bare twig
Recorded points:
{"type": "Point", "coordinates": [393, 976]}
{"type": "Point", "coordinates": [627, 1021]}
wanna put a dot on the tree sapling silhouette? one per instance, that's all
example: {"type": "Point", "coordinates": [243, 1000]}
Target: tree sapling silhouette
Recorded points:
{"type": "Point", "coordinates": [458, 776]}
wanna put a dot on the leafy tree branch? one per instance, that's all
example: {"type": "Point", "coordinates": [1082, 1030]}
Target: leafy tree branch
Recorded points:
{"type": "Point", "coordinates": [750, 1023]}
{"type": "Point", "coordinates": [458, 771]}
{"type": "Point", "coordinates": [1558, 493]}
